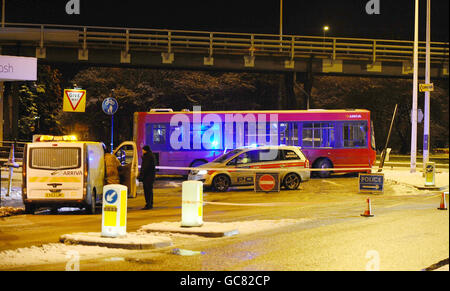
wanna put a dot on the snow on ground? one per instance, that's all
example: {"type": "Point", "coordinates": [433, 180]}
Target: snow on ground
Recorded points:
{"type": "Point", "coordinates": [66, 253]}
{"type": "Point", "coordinates": [401, 182]}
{"type": "Point", "coordinates": [12, 204]}
{"type": "Point", "coordinates": [404, 182]}
{"type": "Point", "coordinates": [52, 254]}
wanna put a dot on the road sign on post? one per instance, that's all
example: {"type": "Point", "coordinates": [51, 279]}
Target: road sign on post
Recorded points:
{"type": "Point", "coordinates": [267, 182]}
{"type": "Point", "coordinates": [426, 87]}
{"type": "Point", "coordinates": [371, 182]}
{"type": "Point", "coordinates": [110, 107]}
{"type": "Point", "coordinates": [74, 100]}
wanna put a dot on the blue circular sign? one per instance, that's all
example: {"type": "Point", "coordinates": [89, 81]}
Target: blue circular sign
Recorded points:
{"type": "Point", "coordinates": [110, 106]}
{"type": "Point", "coordinates": [111, 196]}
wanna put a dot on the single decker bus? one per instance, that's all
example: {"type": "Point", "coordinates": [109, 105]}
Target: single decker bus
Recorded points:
{"type": "Point", "coordinates": [330, 139]}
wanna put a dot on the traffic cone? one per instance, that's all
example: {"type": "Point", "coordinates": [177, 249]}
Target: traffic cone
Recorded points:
{"type": "Point", "coordinates": [443, 202]}
{"type": "Point", "coordinates": [368, 212]}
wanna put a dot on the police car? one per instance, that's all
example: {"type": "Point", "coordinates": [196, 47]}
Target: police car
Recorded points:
{"type": "Point", "coordinates": [238, 167]}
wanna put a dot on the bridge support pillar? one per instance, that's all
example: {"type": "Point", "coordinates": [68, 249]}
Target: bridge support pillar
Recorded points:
{"type": "Point", "coordinates": [83, 54]}
{"type": "Point", "coordinates": [208, 61]}
{"type": "Point", "coordinates": [167, 58]}
{"type": "Point", "coordinates": [125, 57]}
{"type": "Point", "coordinates": [10, 112]}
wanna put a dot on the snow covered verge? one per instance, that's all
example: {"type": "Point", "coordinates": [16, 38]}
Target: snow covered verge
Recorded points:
{"type": "Point", "coordinates": [70, 255]}
{"type": "Point", "coordinates": [12, 204]}
{"type": "Point", "coordinates": [405, 182]}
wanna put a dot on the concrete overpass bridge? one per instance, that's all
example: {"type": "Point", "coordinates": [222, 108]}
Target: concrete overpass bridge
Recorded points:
{"type": "Point", "coordinates": [155, 48]}
{"type": "Point", "coordinates": [298, 57]}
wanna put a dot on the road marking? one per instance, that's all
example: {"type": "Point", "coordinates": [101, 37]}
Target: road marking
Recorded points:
{"type": "Point", "coordinates": [391, 206]}
{"type": "Point", "coordinates": [433, 196]}
{"type": "Point", "coordinates": [333, 183]}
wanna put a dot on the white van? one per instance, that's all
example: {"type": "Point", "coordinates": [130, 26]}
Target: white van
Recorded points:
{"type": "Point", "coordinates": [67, 173]}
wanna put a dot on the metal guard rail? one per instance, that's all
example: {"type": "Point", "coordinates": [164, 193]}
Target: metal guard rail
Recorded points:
{"type": "Point", "coordinates": [210, 43]}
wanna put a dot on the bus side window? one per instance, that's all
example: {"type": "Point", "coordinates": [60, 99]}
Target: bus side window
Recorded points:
{"type": "Point", "coordinates": [293, 134]}
{"type": "Point", "coordinates": [355, 134]}
{"type": "Point", "coordinates": [159, 134]}
{"type": "Point", "coordinates": [284, 131]}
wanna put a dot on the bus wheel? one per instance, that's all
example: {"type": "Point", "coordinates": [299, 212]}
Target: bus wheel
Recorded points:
{"type": "Point", "coordinates": [323, 164]}
{"type": "Point", "coordinates": [29, 209]}
{"type": "Point", "coordinates": [221, 183]}
{"type": "Point", "coordinates": [291, 181]}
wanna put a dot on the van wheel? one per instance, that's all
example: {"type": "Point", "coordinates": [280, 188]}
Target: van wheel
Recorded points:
{"type": "Point", "coordinates": [291, 181]}
{"type": "Point", "coordinates": [29, 209]}
{"type": "Point", "coordinates": [221, 183]}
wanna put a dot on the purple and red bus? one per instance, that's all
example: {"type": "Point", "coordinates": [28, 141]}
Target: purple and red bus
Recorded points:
{"type": "Point", "coordinates": [329, 138]}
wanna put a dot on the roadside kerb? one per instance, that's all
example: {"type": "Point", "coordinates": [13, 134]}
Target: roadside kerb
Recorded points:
{"type": "Point", "coordinates": [132, 241]}
{"type": "Point", "coordinates": [208, 229]}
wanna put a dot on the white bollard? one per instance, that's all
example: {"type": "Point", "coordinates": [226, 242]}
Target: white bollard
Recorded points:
{"type": "Point", "coordinates": [388, 152]}
{"type": "Point", "coordinates": [114, 210]}
{"type": "Point", "coordinates": [430, 173]}
{"type": "Point", "coordinates": [192, 204]}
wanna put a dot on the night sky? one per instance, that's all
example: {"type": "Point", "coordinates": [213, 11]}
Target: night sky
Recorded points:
{"type": "Point", "coordinates": [346, 18]}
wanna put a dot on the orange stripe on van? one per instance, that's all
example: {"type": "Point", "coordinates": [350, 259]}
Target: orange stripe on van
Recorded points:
{"type": "Point", "coordinates": [55, 180]}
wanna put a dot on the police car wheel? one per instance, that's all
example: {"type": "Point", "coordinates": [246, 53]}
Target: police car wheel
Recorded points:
{"type": "Point", "coordinates": [221, 183]}
{"type": "Point", "coordinates": [291, 181]}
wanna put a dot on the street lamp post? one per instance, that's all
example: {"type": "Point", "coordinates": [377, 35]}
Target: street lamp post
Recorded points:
{"type": "Point", "coordinates": [281, 25]}
{"type": "Point", "coordinates": [415, 89]}
{"type": "Point", "coordinates": [426, 124]}
{"type": "Point", "coordinates": [3, 13]}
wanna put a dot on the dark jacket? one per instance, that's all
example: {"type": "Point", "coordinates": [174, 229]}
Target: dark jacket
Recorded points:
{"type": "Point", "coordinates": [147, 173]}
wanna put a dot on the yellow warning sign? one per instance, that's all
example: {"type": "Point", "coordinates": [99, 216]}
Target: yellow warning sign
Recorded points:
{"type": "Point", "coordinates": [426, 87]}
{"type": "Point", "coordinates": [74, 100]}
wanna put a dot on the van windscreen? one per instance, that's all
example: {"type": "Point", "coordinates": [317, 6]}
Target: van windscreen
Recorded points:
{"type": "Point", "coordinates": [55, 158]}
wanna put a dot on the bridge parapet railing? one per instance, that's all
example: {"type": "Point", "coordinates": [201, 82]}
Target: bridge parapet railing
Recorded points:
{"type": "Point", "coordinates": [210, 43]}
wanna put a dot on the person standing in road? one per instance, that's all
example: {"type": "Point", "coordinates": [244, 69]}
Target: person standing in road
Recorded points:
{"type": "Point", "coordinates": [147, 175]}
{"type": "Point", "coordinates": [112, 167]}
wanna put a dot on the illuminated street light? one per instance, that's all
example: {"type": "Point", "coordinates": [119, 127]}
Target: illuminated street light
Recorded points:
{"type": "Point", "coordinates": [325, 29]}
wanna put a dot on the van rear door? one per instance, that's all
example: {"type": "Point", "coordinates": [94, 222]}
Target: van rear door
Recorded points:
{"type": "Point", "coordinates": [55, 171]}
{"type": "Point", "coordinates": [126, 152]}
